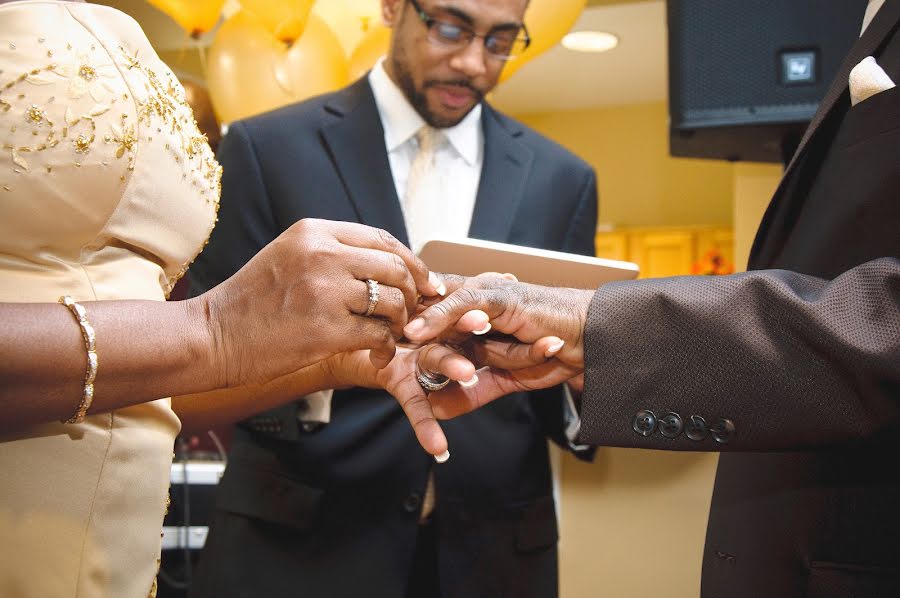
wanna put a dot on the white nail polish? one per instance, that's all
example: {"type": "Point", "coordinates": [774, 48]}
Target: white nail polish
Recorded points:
{"type": "Point", "coordinates": [443, 457]}
{"type": "Point", "coordinates": [485, 330]}
{"type": "Point", "coordinates": [437, 283]}
{"type": "Point", "coordinates": [554, 349]}
{"type": "Point", "coordinates": [470, 382]}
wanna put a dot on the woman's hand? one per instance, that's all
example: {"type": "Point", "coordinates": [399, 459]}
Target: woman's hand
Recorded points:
{"type": "Point", "coordinates": [304, 298]}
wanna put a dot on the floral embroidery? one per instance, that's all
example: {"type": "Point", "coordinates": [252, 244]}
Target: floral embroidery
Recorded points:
{"type": "Point", "coordinates": [33, 121]}
{"type": "Point", "coordinates": [87, 76]}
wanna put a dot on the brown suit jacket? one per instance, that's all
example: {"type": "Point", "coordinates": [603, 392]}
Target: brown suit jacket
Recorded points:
{"type": "Point", "coordinates": [792, 369]}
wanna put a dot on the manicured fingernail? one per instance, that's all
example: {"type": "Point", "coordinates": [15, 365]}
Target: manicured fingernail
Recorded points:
{"type": "Point", "coordinates": [437, 283]}
{"type": "Point", "coordinates": [485, 330]}
{"type": "Point", "coordinates": [443, 457]}
{"type": "Point", "coordinates": [554, 349]}
{"type": "Point", "coordinates": [470, 382]}
{"type": "Point", "coordinates": [414, 327]}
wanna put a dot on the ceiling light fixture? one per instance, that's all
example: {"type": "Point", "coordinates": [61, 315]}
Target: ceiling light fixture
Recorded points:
{"type": "Point", "coordinates": [590, 41]}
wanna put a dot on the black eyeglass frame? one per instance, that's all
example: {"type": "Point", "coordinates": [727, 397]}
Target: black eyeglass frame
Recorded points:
{"type": "Point", "coordinates": [469, 35]}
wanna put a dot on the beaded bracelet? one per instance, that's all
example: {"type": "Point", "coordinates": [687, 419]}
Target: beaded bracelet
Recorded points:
{"type": "Point", "coordinates": [87, 331]}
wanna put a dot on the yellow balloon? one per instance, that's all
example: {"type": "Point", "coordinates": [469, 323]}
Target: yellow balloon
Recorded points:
{"type": "Point", "coordinates": [548, 21]}
{"type": "Point", "coordinates": [249, 71]}
{"type": "Point", "coordinates": [285, 19]}
{"type": "Point", "coordinates": [194, 16]}
{"type": "Point", "coordinates": [373, 46]}
{"type": "Point", "coordinates": [351, 20]}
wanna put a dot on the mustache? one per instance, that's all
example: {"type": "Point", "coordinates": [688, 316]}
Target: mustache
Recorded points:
{"type": "Point", "coordinates": [479, 94]}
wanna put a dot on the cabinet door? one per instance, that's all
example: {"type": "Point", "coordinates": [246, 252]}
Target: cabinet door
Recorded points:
{"type": "Point", "coordinates": [612, 246]}
{"type": "Point", "coordinates": [662, 253]}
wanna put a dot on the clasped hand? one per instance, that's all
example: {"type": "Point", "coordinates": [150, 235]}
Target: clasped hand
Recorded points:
{"type": "Point", "coordinates": [307, 298]}
{"type": "Point", "coordinates": [518, 337]}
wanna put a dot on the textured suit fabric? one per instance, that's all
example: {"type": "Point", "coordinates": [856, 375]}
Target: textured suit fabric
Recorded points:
{"type": "Point", "coordinates": [802, 354]}
{"type": "Point", "coordinates": [333, 512]}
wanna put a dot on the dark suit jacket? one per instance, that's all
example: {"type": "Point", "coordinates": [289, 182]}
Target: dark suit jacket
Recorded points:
{"type": "Point", "coordinates": [333, 512]}
{"type": "Point", "coordinates": [802, 356]}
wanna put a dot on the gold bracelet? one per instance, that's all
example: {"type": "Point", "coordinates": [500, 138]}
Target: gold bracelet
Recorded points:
{"type": "Point", "coordinates": [87, 331]}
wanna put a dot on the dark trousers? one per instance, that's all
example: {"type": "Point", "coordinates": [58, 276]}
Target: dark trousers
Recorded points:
{"type": "Point", "coordinates": [423, 578]}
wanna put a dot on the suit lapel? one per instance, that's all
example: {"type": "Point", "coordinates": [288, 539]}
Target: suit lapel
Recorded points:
{"type": "Point", "coordinates": [507, 163]}
{"type": "Point", "coordinates": [881, 27]}
{"type": "Point", "coordinates": [356, 145]}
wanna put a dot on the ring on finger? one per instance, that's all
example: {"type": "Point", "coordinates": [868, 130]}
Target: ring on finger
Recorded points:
{"type": "Point", "coordinates": [430, 381]}
{"type": "Point", "coordinates": [372, 286]}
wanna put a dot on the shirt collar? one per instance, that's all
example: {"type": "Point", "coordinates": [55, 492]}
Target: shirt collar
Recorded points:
{"type": "Point", "coordinates": [871, 9]}
{"type": "Point", "coordinates": [401, 121]}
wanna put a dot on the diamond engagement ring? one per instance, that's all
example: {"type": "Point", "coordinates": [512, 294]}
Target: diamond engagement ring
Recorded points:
{"type": "Point", "coordinates": [373, 296]}
{"type": "Point", "coordinates": [429, 381]}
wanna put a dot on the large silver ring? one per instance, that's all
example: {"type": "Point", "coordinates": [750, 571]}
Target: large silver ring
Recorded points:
{"type": "Point", "coordinates": [429, 381]}
{"type": "Point", "coordinates": [373, 297]}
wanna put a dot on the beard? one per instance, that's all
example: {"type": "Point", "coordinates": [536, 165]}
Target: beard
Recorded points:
{"type": "Point", "coordinates": [419, 101]}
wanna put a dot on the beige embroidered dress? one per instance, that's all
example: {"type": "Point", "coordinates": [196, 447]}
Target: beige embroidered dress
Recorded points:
{"type": "Point", "coordinates": [107, 191]}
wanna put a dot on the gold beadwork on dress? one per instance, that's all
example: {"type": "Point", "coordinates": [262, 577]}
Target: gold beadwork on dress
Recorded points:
{"type": "Point", "coordinates": [87, 72]}
{"type": "Point", "coordinates": [35, 115]}
{"type": "Point", "coordinates": [125, 139]}
{"type": "Point", "coordinates": [82, 143]}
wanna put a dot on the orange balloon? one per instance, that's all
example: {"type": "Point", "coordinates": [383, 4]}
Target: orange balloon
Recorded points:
{"type": "Point", "coordinates": [249, 71]}
{"type": "Point", "coordinates": [548, 21]}
{"type": "Point", "coordinates": [194, 16]}
{"type": "Point", "coordinates": [373, 46]}
{"type": "Point", "coordinates": [285, 19]}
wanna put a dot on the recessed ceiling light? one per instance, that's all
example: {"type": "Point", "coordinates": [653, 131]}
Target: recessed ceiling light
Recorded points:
{"type": "Point", "coordinates": [590, 41]}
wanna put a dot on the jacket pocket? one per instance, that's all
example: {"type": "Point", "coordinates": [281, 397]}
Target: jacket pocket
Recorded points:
{"type": "Point", "coordinates": [843, 580]}
{"type": "Point", "coordinates": [872, 117]}
{"type": "Point", "coordinates": [535, 525]}
{"type": "Point", "coordinates": [267, 496]}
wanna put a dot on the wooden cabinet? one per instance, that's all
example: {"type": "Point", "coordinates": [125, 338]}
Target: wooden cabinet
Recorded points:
{"type": "Point", "coordinates": [665, 251]}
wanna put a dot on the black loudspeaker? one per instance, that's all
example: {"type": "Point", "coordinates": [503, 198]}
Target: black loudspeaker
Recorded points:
{"type": "Point", "coordinates": [746, 76]}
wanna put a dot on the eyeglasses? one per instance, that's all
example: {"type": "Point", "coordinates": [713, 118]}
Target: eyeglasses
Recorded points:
{"type": "Point", "coordinates": [500, 45]}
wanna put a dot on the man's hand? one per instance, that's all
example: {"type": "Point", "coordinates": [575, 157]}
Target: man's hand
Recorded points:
{"type": "Point", "coordinates": [524, 311]}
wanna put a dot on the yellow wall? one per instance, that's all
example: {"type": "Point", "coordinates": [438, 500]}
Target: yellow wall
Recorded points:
{"type": "Point", "coordinates": [754, 184]}
{"type": "Point", "coordinates": [639, 183]}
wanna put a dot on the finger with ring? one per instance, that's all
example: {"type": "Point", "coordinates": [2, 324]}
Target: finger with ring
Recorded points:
{"type": "Point", "coordinates": [430, 381]}
{"type": "Point", "coordinates": [373, 290]}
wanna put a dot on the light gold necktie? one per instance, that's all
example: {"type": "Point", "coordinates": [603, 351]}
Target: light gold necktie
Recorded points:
{"type": "Point", "coordinates": [416, 205]}
{"type": "Point", "coordinates": [416, 200]}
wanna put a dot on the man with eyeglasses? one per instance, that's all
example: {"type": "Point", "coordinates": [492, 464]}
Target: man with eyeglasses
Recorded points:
{"type": "Point", "coordinates": [332, 495]}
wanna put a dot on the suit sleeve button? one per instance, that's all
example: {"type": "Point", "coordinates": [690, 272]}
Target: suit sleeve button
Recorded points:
{"type": "Point", "coordinates": [696, 428]}
{"type": "Point", "coordinates": [671, 425]}
{"type": "Point", "coordinates": [644, 423]}
{"type": "Point", "coordinates": [412, 502]}
{"type": "Point", "coordinates": [723, 431]}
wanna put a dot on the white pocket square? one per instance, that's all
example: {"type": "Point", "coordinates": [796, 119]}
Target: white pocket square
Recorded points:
{"type": "Point", "coordinates": [867, 79]}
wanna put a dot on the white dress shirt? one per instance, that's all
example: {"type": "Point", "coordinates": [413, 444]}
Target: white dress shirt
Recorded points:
{"type": "Point", "coordinates": [458, 160]}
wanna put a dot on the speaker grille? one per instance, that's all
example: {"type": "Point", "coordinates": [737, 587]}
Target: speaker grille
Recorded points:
{"type": "Point", "coordinates": [725, 64]}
